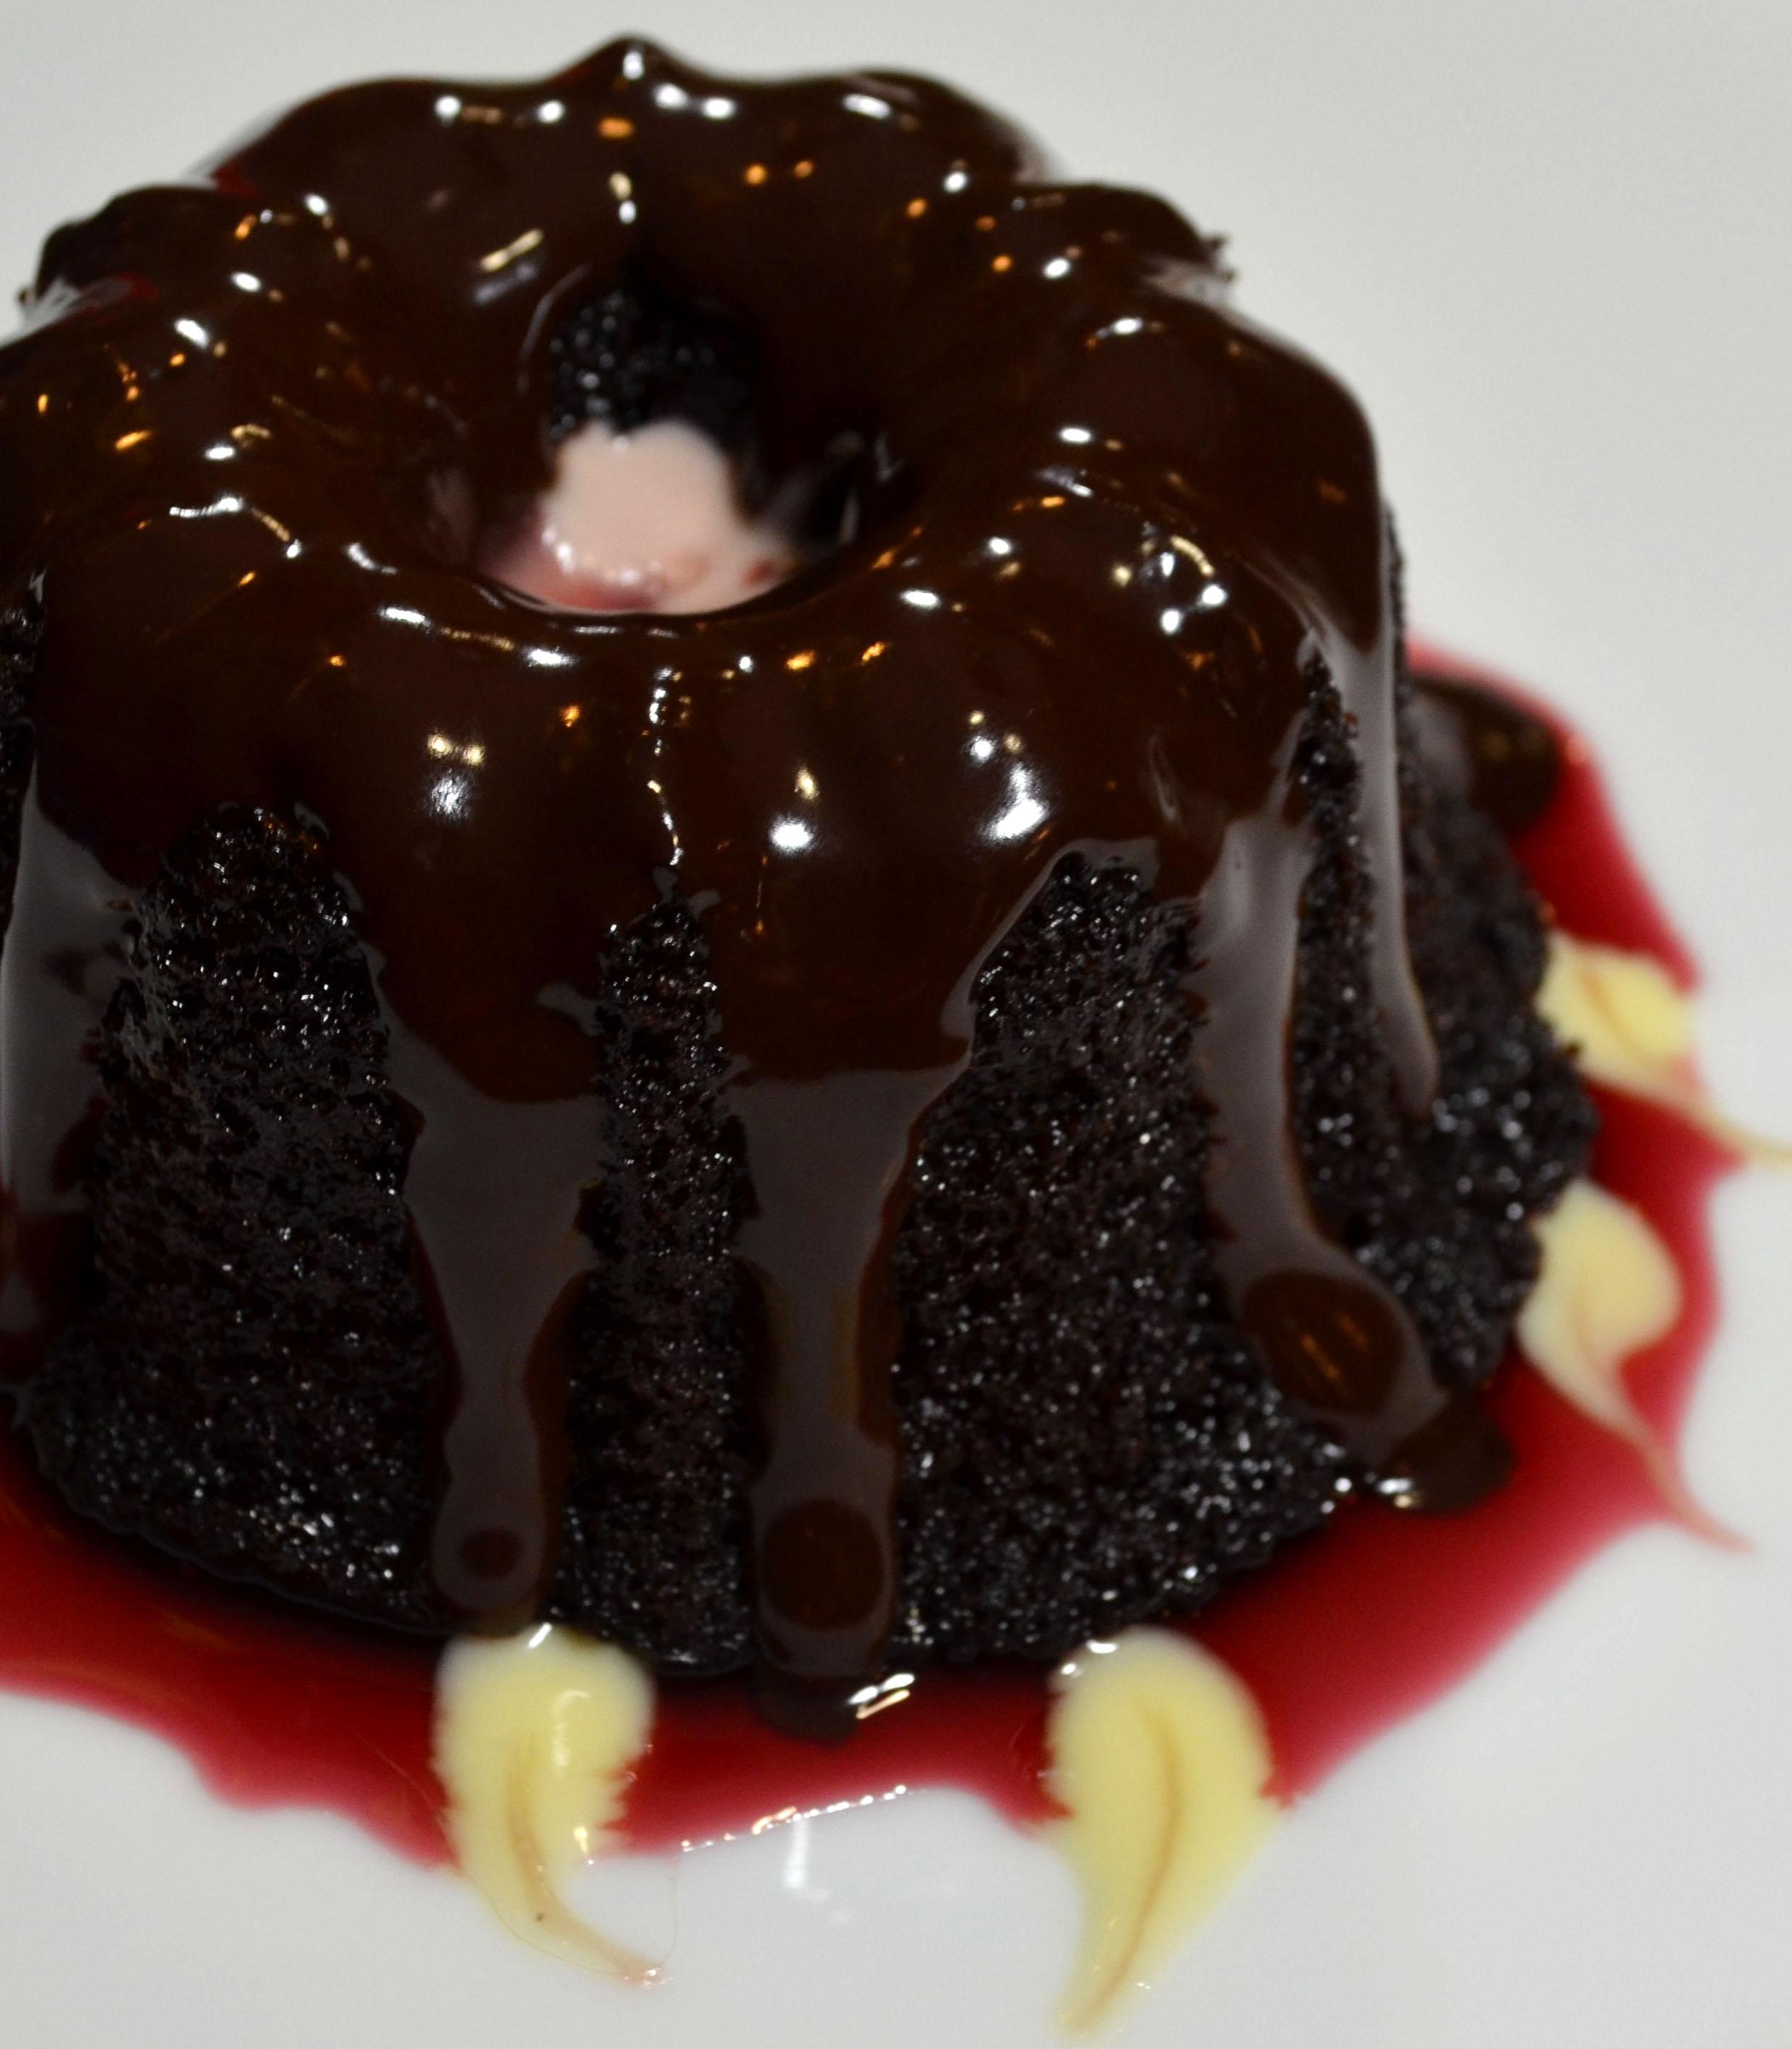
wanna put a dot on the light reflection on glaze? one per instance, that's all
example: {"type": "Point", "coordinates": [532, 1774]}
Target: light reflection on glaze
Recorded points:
{"type": "Point", "coordinates": [350, 316]}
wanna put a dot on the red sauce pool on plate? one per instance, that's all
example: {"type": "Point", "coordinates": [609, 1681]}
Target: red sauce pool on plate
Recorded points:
{"type": "Point", "coordinates": [1338, 1639]}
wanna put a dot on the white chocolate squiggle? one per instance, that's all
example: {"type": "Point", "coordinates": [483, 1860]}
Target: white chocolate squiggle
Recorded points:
{"type": "Point", "coordinates": [1161, 1760]}
{"type": "Point", "coordinates": [1608, 1289]}
{"type": "Point", "coordinates": [534, 1738]}
{"type": "Point", "coordinates": [1630, 1026]}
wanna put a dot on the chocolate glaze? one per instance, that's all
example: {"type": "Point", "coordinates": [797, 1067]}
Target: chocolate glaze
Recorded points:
{"type": "Point", "coordinates": [1100, 539]}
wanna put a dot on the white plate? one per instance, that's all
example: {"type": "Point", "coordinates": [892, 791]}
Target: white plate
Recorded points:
{"type": "Point", "coordinates": [1548, 243]}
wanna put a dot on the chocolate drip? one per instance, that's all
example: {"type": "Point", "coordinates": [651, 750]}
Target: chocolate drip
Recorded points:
{"type": "Point", "coordinates": [493, 1191]}
{"type": "Point", "coordinates": [1485, 747]}
{"type": "Point", "coordinates": [63, 951]}
{"type": "Point", "coordinates": [1341, 1347]}
{"type": "Point", "coordinates": [1098, 539]}
{"type": "Point", "coordinates": [827, 1161]}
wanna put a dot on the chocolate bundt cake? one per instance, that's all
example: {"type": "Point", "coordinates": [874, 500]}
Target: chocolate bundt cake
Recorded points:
{"type": "Point", "coordinates": [931, 1112]}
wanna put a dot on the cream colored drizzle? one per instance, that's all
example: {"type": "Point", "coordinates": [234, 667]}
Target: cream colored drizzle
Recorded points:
{"type": "Point", "coordinates": [534, 1738]}
{"type": "Point", "coordinates": [1161, 1761]}
{"type": "Point", "coordinates": [1630, 1026]}
{"type": "Point", "coordinates": [1608, 1289]}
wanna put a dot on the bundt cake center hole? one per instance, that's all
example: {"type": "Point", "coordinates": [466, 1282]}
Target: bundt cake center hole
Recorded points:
{"type": "Point", "coordinates": [650, 520]}
{"type": "Point", "coordinates": [661, 497]}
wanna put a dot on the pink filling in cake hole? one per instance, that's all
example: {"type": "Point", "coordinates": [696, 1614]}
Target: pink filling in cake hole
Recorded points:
{"type": "Point", "coordinates": [649, 521]}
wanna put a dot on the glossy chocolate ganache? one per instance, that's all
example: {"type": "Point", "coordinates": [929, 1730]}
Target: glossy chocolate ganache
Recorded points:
{"type": "Point", "coordinates": [1079, 551]}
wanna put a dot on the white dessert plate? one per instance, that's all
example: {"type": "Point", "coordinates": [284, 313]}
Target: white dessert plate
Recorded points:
{"type": "Point", "coordinates": [1546, 243]}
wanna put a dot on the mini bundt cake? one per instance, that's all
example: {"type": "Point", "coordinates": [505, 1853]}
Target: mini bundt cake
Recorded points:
{"type": "Point", "coordinates": [932, 1112]}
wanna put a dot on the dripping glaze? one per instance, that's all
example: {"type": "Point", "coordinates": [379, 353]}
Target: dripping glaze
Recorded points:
{"type": "Point", "coordinates": [1104, 539]}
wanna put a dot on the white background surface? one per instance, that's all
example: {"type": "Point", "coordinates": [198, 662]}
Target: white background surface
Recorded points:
{"type": "Point", "coordinates": [1548, 241]}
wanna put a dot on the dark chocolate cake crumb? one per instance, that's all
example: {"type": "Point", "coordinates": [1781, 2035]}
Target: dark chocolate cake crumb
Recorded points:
{"type": "Point", "coordinates": [630, 356]}
{"type": "Point", "coordinates": [1088, 1439]}
{"type": "Point", "coordinates": [1079, 1417]}
{"type": "Point", "coordinates": [252, 1378]}
{"type": "Point", "coordinates": [655, 1526]}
